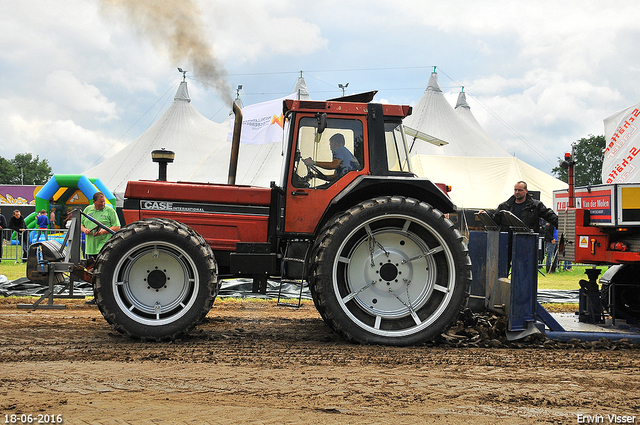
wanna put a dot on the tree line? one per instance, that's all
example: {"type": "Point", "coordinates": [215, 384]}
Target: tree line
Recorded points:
{"type": "Point", "coordinates": [588, 154]}
{"type": "Point", "coordinates": [25, 169]}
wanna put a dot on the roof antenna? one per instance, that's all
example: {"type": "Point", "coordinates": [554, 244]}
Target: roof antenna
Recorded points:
{"type": "Point", "coordinates": [184, 74]}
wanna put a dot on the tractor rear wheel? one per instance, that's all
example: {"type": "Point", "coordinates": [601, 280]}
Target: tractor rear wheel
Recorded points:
{"type": "Point", "coordinates": [391, 271]}
{"type": "Point", "coordinates": [155, 279]}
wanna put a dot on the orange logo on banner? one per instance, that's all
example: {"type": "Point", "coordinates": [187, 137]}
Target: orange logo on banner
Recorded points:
{"type": "Point", "coordinates": [277, 120]}
{"type": "Point", "coordinates": [78, 198]}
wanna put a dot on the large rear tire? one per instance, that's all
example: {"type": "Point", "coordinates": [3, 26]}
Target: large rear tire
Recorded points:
{"type": "Point", "coordinates": [155, 279]}
{"type": "Point", "coordinates": [391, 271]}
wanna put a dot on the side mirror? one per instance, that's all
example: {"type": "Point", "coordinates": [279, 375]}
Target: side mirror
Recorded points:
{"type": "Point", "coordinates": [322, 121]}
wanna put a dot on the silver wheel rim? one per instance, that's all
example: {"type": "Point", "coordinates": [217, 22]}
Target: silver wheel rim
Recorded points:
{"type": "Point", "coordinates": [394, 275]}
{"type": "Point", "coordinates": [155, 283]}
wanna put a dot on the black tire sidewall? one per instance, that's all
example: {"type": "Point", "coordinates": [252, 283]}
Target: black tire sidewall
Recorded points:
{"type": "Point", "coordinates": [165, 232]}
{"type": "Point", "coordinates": [337, 230]}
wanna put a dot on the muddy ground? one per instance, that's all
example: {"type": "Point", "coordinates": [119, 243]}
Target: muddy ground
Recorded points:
{"type": "Point", "coordinates": [254, 362]}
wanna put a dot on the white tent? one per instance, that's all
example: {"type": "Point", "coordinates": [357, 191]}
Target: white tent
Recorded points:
{"type": "Point", "coordinates": [202, 152]}
{"type": "Point", "coordinates": [181, 129]}
{"type": "Point", "coordinates": [483, 183]}
{"type": "Point", "coordinates": [435, 116]}
{"type": "Point", "coordinates": [480, 172]}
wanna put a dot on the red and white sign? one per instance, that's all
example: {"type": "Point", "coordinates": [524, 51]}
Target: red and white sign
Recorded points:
{"type": "Point", "coordinates": [621, 162]}
{"type": "Point", "coordinates": [598, 200]}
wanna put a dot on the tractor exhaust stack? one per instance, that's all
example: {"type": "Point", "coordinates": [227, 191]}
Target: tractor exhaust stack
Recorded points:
{"type": "Point", "coordinates": [235, 144]}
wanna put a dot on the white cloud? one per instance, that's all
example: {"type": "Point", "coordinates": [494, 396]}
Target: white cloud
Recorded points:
{"type": "Point", "coordinates": [66, 90]}
{"type": "Point", "coordinates": [251, 30]}
{"type": "Point", "coordinates": [66, 145]}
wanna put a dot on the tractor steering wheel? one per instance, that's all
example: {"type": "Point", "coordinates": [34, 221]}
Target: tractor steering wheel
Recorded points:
{"type": "Point", "coordinates": [317, 172]}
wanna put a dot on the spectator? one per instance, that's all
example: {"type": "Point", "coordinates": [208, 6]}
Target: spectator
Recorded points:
{"type": "Point", "coordinates": [43, 224]}
{"type": "Point", "coordinates": [3, 227]}
{"type": "Point", "coordinates": [551, 246]}
{"type": "Point", "coordinates": [52, 218]}
{"type": "Point", "coordinates": [17, 224]}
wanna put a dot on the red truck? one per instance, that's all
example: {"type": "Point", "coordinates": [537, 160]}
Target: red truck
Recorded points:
{"type": "Point", "coordinates": [600, 225]}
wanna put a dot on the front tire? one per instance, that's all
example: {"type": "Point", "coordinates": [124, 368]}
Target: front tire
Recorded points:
{"type": "Point", "coordinates": [155, 279]}
{"type": "Point", "coordinates": [390, 271]}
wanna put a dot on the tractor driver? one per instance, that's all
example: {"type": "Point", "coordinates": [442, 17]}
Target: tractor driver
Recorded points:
{"type": "Point", "coordinates": [343, 161]}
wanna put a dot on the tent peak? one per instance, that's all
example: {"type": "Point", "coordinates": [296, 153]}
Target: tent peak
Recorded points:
{"type": "Point", "coordinates": [462, 101]}
{"type": "Point", "coordinates": [302, 93]}
{"type": "Point", "coordinates": [182, 93]}
{"type": "Point", "coordinates": [433, 83]}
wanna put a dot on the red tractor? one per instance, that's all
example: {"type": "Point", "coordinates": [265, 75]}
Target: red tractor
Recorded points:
{"type": "Point", "coordinates": [383, 262]}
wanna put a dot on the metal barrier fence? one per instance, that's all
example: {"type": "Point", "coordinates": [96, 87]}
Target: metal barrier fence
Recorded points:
{"type": "Point", "coordinates": [15, 245]}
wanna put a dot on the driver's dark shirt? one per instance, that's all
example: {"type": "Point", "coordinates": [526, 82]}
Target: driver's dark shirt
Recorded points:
{"type": "Point", "coordinates": [347, 161]}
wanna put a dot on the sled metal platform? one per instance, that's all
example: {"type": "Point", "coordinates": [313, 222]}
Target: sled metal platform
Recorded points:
{"type": "Point", "coordinates": [516, 297]}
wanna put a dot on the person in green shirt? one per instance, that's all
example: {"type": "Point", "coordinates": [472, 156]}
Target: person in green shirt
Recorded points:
{"type": "Point", "coordinates": [96, 236]}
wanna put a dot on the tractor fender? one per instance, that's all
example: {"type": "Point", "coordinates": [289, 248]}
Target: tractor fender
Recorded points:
{"type": "Point", "coordinates": [367, 187]}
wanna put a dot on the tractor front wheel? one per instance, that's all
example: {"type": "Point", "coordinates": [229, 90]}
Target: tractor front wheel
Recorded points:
{"type": "Point", "coordinates": [155, 279]}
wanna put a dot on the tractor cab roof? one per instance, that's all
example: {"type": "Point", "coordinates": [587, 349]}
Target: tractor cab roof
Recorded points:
{"type": "Point", "coordinates": [355, 104]}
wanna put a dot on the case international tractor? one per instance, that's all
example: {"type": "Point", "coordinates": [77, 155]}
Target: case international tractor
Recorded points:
{"type": "Point", "coordinates": [383, 262]}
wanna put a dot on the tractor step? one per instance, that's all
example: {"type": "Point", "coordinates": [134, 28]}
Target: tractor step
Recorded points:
{"type": "Point", "coordinates": [294, 270]}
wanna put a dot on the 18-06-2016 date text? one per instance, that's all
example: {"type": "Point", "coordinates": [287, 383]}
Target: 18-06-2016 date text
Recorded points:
{"type": "Point", "coordinates": [28, 418]}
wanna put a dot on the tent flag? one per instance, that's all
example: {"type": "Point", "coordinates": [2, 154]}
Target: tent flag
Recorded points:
{"type": "Point", "coordinates": [623, 145]}
{"type": "Point", "coordinates": [262, 123]}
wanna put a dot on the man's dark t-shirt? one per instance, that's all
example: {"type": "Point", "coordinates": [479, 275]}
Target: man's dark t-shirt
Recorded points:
{"type": "Point", "coordinates": [517, 209]}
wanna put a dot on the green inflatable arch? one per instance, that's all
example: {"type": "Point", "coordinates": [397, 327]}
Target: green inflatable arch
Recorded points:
{"type": "Point", "coordinates": [87, 186]}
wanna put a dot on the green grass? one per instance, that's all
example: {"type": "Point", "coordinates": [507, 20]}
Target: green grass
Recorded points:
{"type": "Point", "coordinates": [558, 280]}
{"type": "Point", "coordinates": [12, 271]}
{"type": "Point", "coordinates": [565, 280]}
{"type": "Point", "coordinates": [8, 267]}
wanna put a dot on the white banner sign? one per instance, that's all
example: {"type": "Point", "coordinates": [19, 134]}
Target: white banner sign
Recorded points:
{"type": "Point", "coordinates": [262, 123]}
{"type": "Point", "coordinates": [621, 160]}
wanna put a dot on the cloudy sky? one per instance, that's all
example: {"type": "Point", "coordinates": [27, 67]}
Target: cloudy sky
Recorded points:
{"type": "Point", "coordinates": [82, 78]}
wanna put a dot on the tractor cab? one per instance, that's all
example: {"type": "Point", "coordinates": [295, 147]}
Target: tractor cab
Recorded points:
{"type": "Point", "coordinates": [334, 145]}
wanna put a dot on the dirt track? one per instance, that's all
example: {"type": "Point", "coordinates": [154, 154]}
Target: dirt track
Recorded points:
{"type": "Point", "coordinates": [253, 362]}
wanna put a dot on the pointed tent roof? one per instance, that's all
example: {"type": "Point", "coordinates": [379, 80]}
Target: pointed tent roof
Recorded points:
{"type": "Point", "coordinates": [181, 129]}
{"type": "Point", "coordinates": [464, 111]}
{"type": "Point", "coordinates": [480, 171]}
{"type": "Point", "coordinates": [435, 116]}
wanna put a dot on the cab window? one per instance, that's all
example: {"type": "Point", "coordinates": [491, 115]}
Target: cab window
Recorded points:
{"type": "Point", "coordinates": [397, 157]}
{"type": "Point", "coordinates": [324, 158]}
